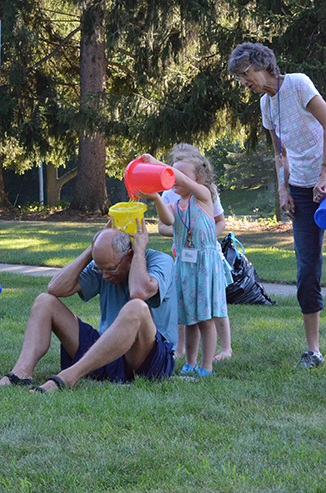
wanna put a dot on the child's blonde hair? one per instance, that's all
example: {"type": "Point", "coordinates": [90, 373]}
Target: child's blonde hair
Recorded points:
{"type": "Point", "coordinates": [203, 168]}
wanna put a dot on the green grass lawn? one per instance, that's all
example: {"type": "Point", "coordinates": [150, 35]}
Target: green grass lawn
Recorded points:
{"type": "Point", "coordinates": [256, 426]}
{"type": "Point", "coordinates": [240, 202]}
{"type": "Point", "coordinates": [56, 244]}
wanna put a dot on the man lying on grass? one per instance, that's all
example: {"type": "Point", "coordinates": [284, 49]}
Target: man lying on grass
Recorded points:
{"type": "Point", "coordinates": [138, 324]}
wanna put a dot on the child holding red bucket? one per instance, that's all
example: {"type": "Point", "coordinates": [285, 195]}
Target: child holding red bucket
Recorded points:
{"type": "Point", "coordinates": [201, 274]}
{"type": "Point", "coordinates": [179, 153]}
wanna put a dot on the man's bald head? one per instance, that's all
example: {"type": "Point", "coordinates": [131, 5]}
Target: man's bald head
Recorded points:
{"type": "Point", "coordinates": [110, 242]}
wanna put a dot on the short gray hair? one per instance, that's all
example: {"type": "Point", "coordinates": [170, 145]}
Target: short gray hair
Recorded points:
{"type": "Point", "coordinates": [121, 243]}
{"type": "Point", "coordinates": [260, 56]}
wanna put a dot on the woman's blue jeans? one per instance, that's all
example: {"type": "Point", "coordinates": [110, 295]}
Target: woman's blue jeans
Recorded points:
{"type": "Point", "coordinates": [308, 242]}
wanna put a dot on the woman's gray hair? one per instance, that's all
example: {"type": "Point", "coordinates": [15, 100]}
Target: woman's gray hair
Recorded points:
{"type": "Point", "coordinates": [260, 56]}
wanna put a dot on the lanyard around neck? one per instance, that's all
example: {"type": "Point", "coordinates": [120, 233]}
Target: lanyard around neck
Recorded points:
{"type": "Point", "coordinates": [278, 139]}
{"type": "Point", "coordinates": [178, 207]}
{"type": "Point", "coordinates": [189, 242]}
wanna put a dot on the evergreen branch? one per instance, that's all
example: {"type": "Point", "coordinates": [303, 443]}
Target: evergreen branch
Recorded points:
{"type": "Point", "coordinates": [52, 43]}
{"type": "Point", "coordinates": [50, 55]}
{"type": "Point", "coordinates": [151, 103]}
{"type": "Point", "coordinates": [71, 86]}
{"type": "Point", "coordinates": [61, 13]}
{"type": "Point", "coordinates": [125, 69]}
{"type": "Point", "coordinates": [122, 67]}
{"type": "Point", "coordinates": [127, 53]}
{"type": "Point", "coordinates": [315, 29]}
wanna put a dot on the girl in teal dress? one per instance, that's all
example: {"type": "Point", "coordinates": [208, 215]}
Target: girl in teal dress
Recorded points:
{"type": "Point", "coordinates": [200, 272]}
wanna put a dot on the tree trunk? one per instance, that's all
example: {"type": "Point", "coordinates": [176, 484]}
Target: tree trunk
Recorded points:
{"type": "Point", "coordinates": [54, 183]}
{"type": "Point", "coordinates": [90, 192]}
{"type": "Point", "coordinates": [4, 202]}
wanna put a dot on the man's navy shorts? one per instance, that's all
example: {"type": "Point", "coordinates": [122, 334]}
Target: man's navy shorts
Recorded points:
{"type": "Point", "coordinates": [158, 364]}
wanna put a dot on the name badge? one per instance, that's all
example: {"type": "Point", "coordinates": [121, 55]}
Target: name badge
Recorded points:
{"type": "Point", "coordinates": [189, 255]}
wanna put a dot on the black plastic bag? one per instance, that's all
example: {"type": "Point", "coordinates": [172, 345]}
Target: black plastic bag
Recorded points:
{"type": "Point", "coordinates": [246, 287]}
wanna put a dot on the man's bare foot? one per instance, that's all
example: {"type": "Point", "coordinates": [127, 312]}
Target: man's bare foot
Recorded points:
{"type": "Point", "coordinates": [12, 379]}
{"type": "Point", "coordinates": [5, 381]}
{"type": "Point", "coordinates": [223, 355]}
{"type": "Point", "coordinates": [54, 383]}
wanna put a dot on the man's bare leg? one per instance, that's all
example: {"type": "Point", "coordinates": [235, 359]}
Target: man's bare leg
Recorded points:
{"type": "Point", "coordinates": [132, 334]}
{"type": "Point", "coordinates": [48, 314]}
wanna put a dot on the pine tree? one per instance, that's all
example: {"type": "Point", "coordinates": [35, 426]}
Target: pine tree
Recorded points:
{"type": "Point", "coordinates": [90, 191]}
{"type": "Point", "coordinates": [33, 84]}
{"type": "Point", "coordinates": [161, 77]}
{"type": "Point", "coordinates": [146, 46]}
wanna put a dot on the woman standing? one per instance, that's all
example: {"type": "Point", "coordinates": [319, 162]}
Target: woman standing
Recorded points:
{"type": "Point", "coordinates": [295, 114]}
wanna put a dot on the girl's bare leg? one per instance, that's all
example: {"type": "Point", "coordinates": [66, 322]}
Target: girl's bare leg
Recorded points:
{"type": "Point", "coordinates": [192, 344]}
{"type": "Point", "coordinates": [224, 332]}
{"type": "Point", "coordinates": [208, 343]}
{"type": "Point", "coordinates": [181, 347]}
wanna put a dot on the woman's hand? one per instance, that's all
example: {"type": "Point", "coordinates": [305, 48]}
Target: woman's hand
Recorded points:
{"type": "Point", "coordinates": [319, 192]}
{"type": "Point", "coordinates": [287, 202]}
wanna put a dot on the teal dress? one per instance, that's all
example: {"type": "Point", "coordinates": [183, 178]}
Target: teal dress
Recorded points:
{"type": "Point", "coordinates": [201, 285]}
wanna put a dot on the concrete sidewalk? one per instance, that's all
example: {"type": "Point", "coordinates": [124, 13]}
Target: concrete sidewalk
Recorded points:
{"type": "Point", "coordinates": [271, 289]}
{"type": "Point", "coordinates": [31, 270]}
{"type": "Point", "coordinates": [284, 289]}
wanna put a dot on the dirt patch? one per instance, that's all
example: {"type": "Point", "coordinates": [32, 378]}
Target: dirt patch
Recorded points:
{"type": "Point", "coordinates": [67, 215]}
{"type": "Point", "coordinates": [254, 225]}
{"type": "Point", "coordinates": [280, 227]}
{"type": "Point", "coordinates": [63, 215]}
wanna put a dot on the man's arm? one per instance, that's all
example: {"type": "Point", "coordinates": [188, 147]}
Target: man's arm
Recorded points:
{"type": "Point", "coordinates": [66, 283]}
{"type": "Point", "coordinates": [141, 284]}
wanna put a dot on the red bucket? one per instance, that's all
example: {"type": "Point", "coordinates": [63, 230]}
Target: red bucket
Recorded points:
{"type": "Point", "coordinates": [149, 178]}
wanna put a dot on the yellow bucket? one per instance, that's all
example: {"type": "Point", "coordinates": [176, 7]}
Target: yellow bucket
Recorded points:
{"type": "Point", "coordinates": [125, 213]}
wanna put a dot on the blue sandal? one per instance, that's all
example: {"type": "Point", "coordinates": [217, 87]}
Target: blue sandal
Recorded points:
{"type": "Point", "coordinates": [202, 372]}
{"type": "Point", "coordinates": [188, 370]}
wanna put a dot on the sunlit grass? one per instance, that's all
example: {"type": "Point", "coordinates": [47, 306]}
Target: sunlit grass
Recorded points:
{"type": "Point", "coordinates": [256, 426]}
{"type": "Point", "coordinates": [56, 244]}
